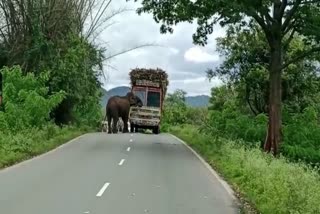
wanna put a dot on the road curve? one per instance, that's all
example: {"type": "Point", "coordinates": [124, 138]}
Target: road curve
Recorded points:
{"type": "Point", "coordinates": [102, 173]}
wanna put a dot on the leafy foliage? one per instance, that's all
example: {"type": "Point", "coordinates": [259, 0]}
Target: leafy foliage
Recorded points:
{"type": "Point", "coordinates": [26, 100]}
{"type": "Point", "coordinates": [25, 126]}
{"type": "Point", "coordinates": [246, 69]}
{"type": "Point", "coordinates": [175, 108]}
{"type": "Point", "coordinates": [48, 37]}
{"type": "Point", "coordinates": [76, 72]}
{"type": "Point", "coordinates": [228, 119]}
{"type": "Point", "coordinates": [300, 15]}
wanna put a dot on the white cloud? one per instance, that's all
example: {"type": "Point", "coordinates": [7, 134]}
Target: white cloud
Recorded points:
{"type": "Point", "coordinates": [184, 62]}
{"type": "Point", "coordinates": [195, 86]}
{"type": "Point", "coordinates": [195, 54]}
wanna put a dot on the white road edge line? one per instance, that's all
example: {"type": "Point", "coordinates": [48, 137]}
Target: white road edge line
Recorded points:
{"type": "Point", "coordinates": [128, 149]}
{"type": "Point", "coordinates": [21, 164]}
{"type": "Point", "coordinates": [121, 162]}
{"type": "Point", "coordinates": [105, 186]}
{"type": "Point", "coordinates": [221, 181]}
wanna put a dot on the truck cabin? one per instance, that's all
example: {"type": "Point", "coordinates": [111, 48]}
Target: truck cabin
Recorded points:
{"type": "Point", "coordinates": [150, 96]}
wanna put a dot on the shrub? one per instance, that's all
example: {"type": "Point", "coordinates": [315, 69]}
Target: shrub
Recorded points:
{"type": "Point", "coordinates": [26, 100]}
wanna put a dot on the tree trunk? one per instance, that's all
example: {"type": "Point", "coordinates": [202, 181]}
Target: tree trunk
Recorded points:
{"type": "Point", "coordinates": [273, 137]}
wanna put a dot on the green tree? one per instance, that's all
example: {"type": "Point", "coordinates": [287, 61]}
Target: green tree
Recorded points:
{"type": "Point", "coordinates": [220, 96]}
{"type": "Point", "coordinates": [279, 20]}
{"type": "Point", "coordinates": [175, 108]}
{"type": "Point", "coordinates": [246, 68]}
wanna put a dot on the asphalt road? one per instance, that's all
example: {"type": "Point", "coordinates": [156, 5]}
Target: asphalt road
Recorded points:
{"type": "Point", "coordinates": [114, 173]}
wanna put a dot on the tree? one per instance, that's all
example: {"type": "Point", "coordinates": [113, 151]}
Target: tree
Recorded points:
{"type": "Point", "coordinates": [175, 108]}
{"type": "Point", "coordinates": [59, 36]}
{"type": "Point", "coordinates": [279, 20]}
{"type": "Point", "coordinates": [220, 96]}
{"type": "Point", "coordinates": [178, 96]}
{"type": "Point", "coordinates": [246, 68]}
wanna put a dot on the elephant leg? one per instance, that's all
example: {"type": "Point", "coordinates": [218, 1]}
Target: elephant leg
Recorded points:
{"type": "Point", "coordinates": [119, 125]}
{"type": "Point", "coordinates": [115, 124]}
{"type": "Point", "coordinates": [125, 125]}
{"type": "Point", "coordinates": [109, 124]}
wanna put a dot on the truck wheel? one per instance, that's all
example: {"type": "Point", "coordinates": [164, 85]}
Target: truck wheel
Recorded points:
{"type": "Point", "coordinates": [156, 130]}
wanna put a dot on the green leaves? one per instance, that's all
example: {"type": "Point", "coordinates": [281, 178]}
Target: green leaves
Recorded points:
{"type": "Point", "coordinates": [26, 99]}
{"type": "Point", "coordinates": [175, 108]}
{"type": "Point", "coordinates": [246, 66]}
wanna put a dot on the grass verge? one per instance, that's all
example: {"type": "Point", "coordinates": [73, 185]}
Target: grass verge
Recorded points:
{"type": "Point", "coordinates": [270, 185]}
{"type": "Point", "coordinates": [15, 148]}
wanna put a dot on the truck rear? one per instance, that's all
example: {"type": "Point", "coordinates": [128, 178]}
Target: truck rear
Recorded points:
{"type": "Point", "coordinates": [150, 85]}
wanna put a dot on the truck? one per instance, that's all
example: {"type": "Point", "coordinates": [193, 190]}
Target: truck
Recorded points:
{"type": "Point", "coordinates": [150, 85]}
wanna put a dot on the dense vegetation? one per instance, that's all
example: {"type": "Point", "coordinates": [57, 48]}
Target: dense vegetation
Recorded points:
{"type": "Point", "coordinates": [50, 69]}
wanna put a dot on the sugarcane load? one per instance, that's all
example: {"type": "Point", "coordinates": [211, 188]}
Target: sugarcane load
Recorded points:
{"type": "Point", "coordinates": [150, 85]}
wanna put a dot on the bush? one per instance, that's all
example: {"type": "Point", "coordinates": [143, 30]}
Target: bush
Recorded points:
{"type": "Point", "coordinates": [271, 185]}
{"type": "Point", "coordinates": [25, 126]}
{"type": "Point", "coordinates": [300, 130]}
{"type": "Point", "coordinates": [26, 100]}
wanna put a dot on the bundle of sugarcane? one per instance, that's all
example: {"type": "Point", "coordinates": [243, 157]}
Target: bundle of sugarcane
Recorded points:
{"type": "Point", "coordinates": [157, 76]}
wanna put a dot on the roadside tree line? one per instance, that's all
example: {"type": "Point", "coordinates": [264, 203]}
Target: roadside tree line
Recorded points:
{"type": "Point", "coordinates": [281, 25]}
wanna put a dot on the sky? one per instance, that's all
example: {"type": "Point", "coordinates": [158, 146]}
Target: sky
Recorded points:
{"type": "Point", "coordinates": [184, 62]}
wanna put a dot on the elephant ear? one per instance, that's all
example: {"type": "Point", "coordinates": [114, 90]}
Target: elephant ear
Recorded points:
{"type": "Point", "coordinates": [138, 101]}
{"type": "Point", "coordinates": [131, 98]}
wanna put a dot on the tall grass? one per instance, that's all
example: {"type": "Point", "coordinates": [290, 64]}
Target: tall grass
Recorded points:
{"type": "Point", "coordinates": [28, 143]}
{"type": "Point", "coordinates": [272, 185]}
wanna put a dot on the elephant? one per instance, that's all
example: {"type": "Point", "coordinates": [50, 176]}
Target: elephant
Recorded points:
{"type": "Point", "coordinates": [120, 125]}
{"type": "Point", "coordinates": [119, 106]}
{"type": "Point", "coordinates": [104, 125]}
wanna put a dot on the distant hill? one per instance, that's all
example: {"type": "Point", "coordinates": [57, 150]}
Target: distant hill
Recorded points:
{"type": "Point", "coordinates": [120, 91]}
{"type": "Point", "coordinates": [194, 101]}
{"type": "Point", "coordinates": [197, 101]}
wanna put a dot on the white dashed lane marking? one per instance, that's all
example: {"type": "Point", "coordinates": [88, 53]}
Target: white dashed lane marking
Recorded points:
{"type": "Point", "coordinates": [105, 186]}
{"type": "Point", "coordinates": [121, 162]}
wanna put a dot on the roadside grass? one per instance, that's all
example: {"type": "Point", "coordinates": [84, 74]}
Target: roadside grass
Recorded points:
{"type": "Point", "coordinates": [270, 185]}
{"type": "Point", "coordinates": [29, 143]}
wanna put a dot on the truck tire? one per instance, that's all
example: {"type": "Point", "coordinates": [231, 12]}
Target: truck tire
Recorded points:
{"type": "Point", "coordinates": [156, 130]}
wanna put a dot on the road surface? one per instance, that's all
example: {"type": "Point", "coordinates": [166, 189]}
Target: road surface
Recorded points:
{"type": "Point", "coordinates": [101, 173]}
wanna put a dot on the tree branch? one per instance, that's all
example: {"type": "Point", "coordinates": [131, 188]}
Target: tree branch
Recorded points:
{"type": "Point", "coordinates": [283, 7]}
{"type": "Point", "coordinates": [262, 24]}
{"type": "Point", "coordinates": [130, 49]}
{"type": "Point", "coordinates": [290, 15]}
{"type": "Point", "coordinates": [290, 26]}
{"type": "Point", "coordinates": [287, 42]}
{"type": "Point", "coordinates": [267, 16]}
{"type": "Point", "coordinates": [301, 56]}
{"type": "Point", "coordinates": [305, 2]}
